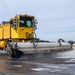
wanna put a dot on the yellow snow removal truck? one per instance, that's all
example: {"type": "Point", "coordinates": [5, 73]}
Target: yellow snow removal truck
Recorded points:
{"type": "Point", "coordinates": [18, 35]}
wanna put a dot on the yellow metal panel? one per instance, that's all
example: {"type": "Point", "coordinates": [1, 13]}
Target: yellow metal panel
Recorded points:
{"type": "Point", "coordinates": [6, 29]}
{"type": "Point", "coordinates": [2, 44]}
{"type": "Point", "coordinates": [23, 31]}
{"type": "Point", "coordinates": [14, 33]}
{"type": "Point", "coordinates": [1, 32]}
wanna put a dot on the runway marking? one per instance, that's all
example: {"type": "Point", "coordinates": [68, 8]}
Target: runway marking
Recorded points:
{"type": "Point", "coordinates": [51, 68]}
{"type": "Point", "coordinates": [46, 69]}
{"type": "Point", "coordinates": [70, 60]}
{"type": "Point", "coordinates": [40, 69]}
{"type": "Point", "coordinates": [17, 66]}
{"type": "Point", "coordinates": [57, 67]}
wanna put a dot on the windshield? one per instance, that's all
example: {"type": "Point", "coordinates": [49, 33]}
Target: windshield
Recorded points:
{"type": "Point", "coordinates": [26, 21]}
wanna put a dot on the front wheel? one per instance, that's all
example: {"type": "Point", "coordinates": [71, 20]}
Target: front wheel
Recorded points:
{"type": "Point", "coordinates": [12, 53]}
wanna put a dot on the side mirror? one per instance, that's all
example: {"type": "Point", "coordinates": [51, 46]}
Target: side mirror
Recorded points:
{"type": "Point", "coordinates": [15, 21]}
{"type": "Point", "coordinates": [35, 27]}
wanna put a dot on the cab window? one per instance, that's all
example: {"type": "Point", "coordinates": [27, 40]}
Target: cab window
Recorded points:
{"type": "Point", "coordinates": [25, 22]}
{"type": "Point", "coordinates": [28, 23]}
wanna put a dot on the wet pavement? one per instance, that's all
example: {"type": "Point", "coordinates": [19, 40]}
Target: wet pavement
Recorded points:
{"type": "Point", "coordinates": [54, 63]}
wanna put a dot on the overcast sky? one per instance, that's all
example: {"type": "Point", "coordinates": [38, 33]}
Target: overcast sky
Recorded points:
{"type": "Point", "coordinates": [56, 18]}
